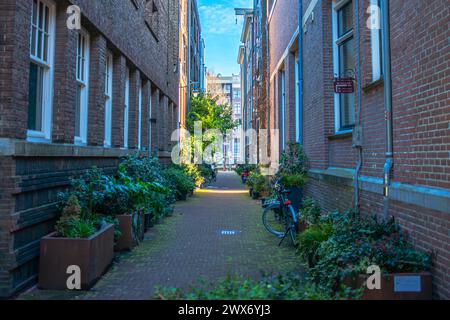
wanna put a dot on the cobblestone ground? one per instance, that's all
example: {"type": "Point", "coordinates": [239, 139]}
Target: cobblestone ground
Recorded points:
{"type": "Point", "coordinates": [190, 246]}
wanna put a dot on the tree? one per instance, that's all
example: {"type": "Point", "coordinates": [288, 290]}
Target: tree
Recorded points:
{"type": "Point", "coordinates": [216, 119]}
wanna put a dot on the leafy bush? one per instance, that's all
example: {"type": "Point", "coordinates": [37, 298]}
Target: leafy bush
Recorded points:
{"type": "Point", "coordinates": [294, 160]}
{"type": "Point", "coordinates": [310, 212]}
{"type": "Point", "coordinates": [73, 224]}
{"type": "Point", "coordinates": [276, 287]}
{"type": "Point", "coordinates": [294, 180]}
{"type": "Point", "coordinates": [356, 243]}
{"type": "Point", "coordinates": [310, 240]}
{"type": "Point", "coordinates": [179, 180]}
{"type": "Point", "coordinates": [257, 181]}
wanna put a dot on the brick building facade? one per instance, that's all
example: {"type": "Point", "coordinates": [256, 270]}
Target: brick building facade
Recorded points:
{"type": "Point", "coordinates": [346, 137]}
{"type": "Point", "coordinates": [71, 99]}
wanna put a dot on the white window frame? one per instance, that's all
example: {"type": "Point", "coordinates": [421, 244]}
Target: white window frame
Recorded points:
{"type": "Point", "coordinates": [48, 77]}
{"type": "Point", "coordinates": [283, 109]}
{"type": "Point", "coordinates": [108, 99]}
{"type": "Point", "coordinates": [336, 61]}
{"type": "Point", "coordinates": [126, 116]}
{"type": "Point", "coordinates": [84, 84]}
{"type": "Point", "coordinates": [297, 98]}
{"type": "Point", "coordinates": [140, 118]}
{"type": "Point", "coordinates": [150, 115]}
{"type": "Point", "coordinates": [375, 44]}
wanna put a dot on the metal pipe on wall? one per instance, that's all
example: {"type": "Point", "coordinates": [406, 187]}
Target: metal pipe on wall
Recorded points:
{"type": "Point", "coordinates": [389, 164]}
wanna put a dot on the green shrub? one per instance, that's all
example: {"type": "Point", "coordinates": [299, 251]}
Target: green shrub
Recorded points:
{"type": "Point", "coordinates": [310, 240]}
{"type": "Point", "coordinates": [179, 180]}
{"type": "Point", "coordinates": [310, 212]}
{"type": "Point", "coordinates": [73, 224]}
{"type": "Point", "coordinates": [355, 244]}
{"type": "Point", "coordinates": [276, 287]}
{"type": "Point", "coordinates": [294, 180]}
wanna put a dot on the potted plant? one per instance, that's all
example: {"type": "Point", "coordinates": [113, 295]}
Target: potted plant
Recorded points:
{"type": "Point", "coordinates": [259, 185]}
{"type": "Point", "coordinates": [343, 261]}
{"type": "Point", "coordinates": [294, 182]}
{"type": "Point", "coordinates": [81, 239]}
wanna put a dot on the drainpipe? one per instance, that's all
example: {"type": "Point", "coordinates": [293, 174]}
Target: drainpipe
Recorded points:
{"type": "Point", "coordinates": [389, 164]}
{"type": "Point", "coordinates": [357, 143]}
{"type": "Point", "coordinates": [300, 71]}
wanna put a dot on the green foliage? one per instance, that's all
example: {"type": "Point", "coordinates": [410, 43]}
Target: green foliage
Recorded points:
{"type": "Point", "coordinates": [310, 212]}
{"type": "Point", "coordinates": [294, 180]}
{"type": "Point", "coordinates": [204, 108]}
{"type": "Point", "coordinates": [353, 245]}
{"type": "Point", "coordinates": [293, 160]}
{"type": "Point", "coordinates": [310, 240]}
{"type": "Point", "coordinates": [241, 168]}
{"type": "Point", "coordinates": [216, 120]}
{"type": "Point", "coordinates": [276, 287]}
{"type": "Point", "coordinates": [72, 224]}
{"type": "Point", "coordinates": [138, 186]}
{"type": "Point", "coordinates": [179, 180]}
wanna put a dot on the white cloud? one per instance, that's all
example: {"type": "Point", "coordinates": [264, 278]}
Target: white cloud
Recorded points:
{"type": "Point", "coordinates": [218, 19]}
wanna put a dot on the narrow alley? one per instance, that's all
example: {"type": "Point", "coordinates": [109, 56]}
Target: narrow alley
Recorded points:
{"type": "Point", "coordinates": [216, 233]}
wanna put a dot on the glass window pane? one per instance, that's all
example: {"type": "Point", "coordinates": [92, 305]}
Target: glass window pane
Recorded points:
{"type": "Point", "coordinates": [34, 16]}
{"type": "Point", "coordinates": [35, 98]}
{"type": "Point", "coordinates": [46, 26]}
{"type": "Point", "coordinates": [345, 17]}
{"type": "Point", "coordinates": [347, 111]}
{"type": "Point", "coordinates": [33, 41]}
{"type": "Point", "coordinates": [78, 112]}
{"type": "Point", "coordinates": [346, 58]}
{"type": "Point", "coordinates": [41, 15]}
{"type": "Point", "coordinates": [46, 47]}
{"type": "Point", "coordinates": [39, 42]}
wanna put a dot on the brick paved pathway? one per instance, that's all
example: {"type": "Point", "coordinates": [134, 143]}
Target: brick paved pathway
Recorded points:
{"type": "Point", "coordinates": [190, 246]}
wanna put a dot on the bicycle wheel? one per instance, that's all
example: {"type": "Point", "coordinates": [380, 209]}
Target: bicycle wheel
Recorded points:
{"type": "Point", "coordinates": [274, 221]}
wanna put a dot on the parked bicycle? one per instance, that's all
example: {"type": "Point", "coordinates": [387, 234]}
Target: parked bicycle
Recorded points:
{"type": "Point", "coordinates": [279, 216]}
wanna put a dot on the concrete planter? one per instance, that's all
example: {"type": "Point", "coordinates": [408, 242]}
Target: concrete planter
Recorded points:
{"type": "Point", "coordinates": [92, 256]}
{"type": "Point", "coordinates": [128, 240]}
{"type": "Point", "coordinates": [401, 286]}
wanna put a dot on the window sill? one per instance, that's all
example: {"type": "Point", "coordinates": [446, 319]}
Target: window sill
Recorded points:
{"type": "Point", "coordinates": [341, 135]}
{"type": "Point", "coordinates": [373, 85]}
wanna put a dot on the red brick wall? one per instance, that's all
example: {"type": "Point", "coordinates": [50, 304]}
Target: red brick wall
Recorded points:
{"type": "Point", "coordinates": [421, 111]}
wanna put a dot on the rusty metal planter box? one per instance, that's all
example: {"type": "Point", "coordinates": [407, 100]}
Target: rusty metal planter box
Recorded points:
{"type": "Point", "coordinates": [127, 239]}
{"type": "Point", "coordinates": [402, 286]}
{"type": "Point", "coordinates": [93, 255]}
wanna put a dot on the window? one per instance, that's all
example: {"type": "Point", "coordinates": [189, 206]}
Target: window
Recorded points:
{"type": "Point", "coordinates": [108, 96]}
{"type": "Point", "coordinates": [126, 116]}
{"type": "Point", "coordinates": [42, 37]}
{"type": "Point", "coordinates": [237, 147]}
{"type": "Point", "coordinates": [82, 76]}
{"type": "Point", "coordinates": [140, 118]}
{"type": "Point", "coordinates": [283, 109]}
{"type": "Point", "coordinates": [375, 39]}
{"type": "Point", "coordinates": [298, 116]}
{"type": "Point", "coordinates": [344, 62]}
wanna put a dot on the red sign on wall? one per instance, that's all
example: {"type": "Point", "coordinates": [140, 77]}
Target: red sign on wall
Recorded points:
{"type": "Point", "coordinates": [344, 85]}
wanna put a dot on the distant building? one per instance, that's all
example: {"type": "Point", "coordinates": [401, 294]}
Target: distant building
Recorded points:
{"type": "Point", "coordinates": [227, 89]}
{"type": "Point", "coordinates": [191, 55]}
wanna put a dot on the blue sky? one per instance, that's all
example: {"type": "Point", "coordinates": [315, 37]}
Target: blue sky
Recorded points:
{"type": "Point", "coordinates": [221, 33]}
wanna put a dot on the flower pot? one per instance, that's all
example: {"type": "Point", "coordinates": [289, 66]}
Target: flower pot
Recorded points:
{"type": "Point", "coordinates": [128, 240]}
{"type": "Point", "coordinates": [251, 192]}
{"type": "Point", "coordinates": [92, 255]}
{"type": "Point", "coordinates": [302, 226]}
{"type": "Point", "coordinates": [296, 197]}
{"type": "Point", "coordinates": [256, 195]}
{"type": "Point", "coordinates": [400, 286]}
